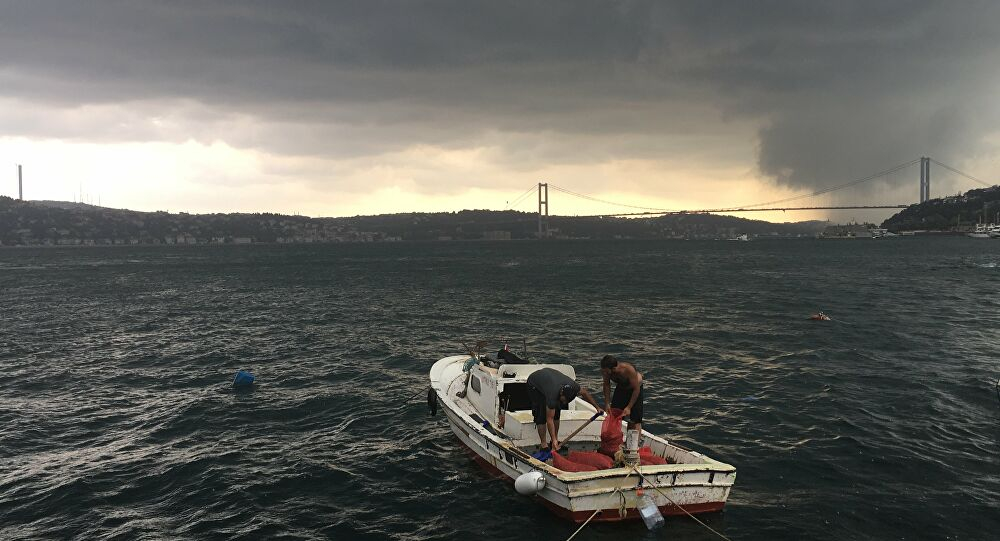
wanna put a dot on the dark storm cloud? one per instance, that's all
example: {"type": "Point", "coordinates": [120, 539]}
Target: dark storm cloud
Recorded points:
{"type": "Point", "coordinates": [838, 89]}
{"type": "Point", "coordinates": [844, 91]}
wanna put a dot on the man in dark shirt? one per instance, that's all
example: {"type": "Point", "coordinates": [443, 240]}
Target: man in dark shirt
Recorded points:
{"type": "Point", "coordinates": [628, 390]}
{"type": "Point", "coordinates": [550, 392]}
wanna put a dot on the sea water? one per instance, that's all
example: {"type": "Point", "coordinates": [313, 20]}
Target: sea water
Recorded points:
{"type": "Point", "coordinates": [118, 418]}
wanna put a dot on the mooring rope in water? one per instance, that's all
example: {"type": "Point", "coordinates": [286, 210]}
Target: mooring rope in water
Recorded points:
{"type": "Point", "coordinates": [416, 394]}
{"type": "Point", "coordinates": [621, 511]}
{"type": "Point", "coordinates": [677, 505]}
{"type": "Point", "coordinates": [404, 403]}
{"type": "Point", "coordinates": [596, 511]}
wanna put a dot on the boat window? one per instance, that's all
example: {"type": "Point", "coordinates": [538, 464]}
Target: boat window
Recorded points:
{"type": "Point", "coordinates": [514, 397]}
{"type": "Point", "coordinates": [476, 386]}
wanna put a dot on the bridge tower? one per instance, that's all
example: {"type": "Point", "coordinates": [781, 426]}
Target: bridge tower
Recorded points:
{"type": "Point", "coordinates": [543, 201]}
{"type": "Point", "coordinates": [925, 179]}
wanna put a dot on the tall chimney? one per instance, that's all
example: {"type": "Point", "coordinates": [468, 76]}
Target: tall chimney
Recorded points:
{"type": "Point", "coordinates": [20, 185]}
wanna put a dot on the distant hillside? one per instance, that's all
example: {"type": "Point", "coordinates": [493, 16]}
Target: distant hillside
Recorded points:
{"type": "Point", "coordinates": [61, 223]}
{"type": "Point", "coordinates": [69, 205]}
{"type": "Point", "coordinates": [952, 213]}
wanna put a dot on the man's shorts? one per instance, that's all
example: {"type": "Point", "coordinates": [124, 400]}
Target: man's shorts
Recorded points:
{"type": "Point", "coordinates": [623, 393]}
{"type": "Point", "coordinates": [538, 406]}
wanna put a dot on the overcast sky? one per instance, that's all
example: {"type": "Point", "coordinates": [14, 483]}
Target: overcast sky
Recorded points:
{"type": "Point", "coordinates": [340, 108]}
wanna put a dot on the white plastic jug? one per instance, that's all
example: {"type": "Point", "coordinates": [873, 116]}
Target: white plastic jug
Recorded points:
{"type": "Point", "coordinates": [649, 512]}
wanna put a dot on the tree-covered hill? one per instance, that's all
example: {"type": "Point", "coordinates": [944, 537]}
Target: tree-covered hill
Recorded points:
{"type": "Point", "coordinates": [61, 223]}
{"type": "Point", "coordinates": [956, 212]}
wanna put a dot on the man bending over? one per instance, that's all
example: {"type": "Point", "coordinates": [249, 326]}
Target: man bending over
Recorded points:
{"type": "Point", "coordinates": [550, 392]}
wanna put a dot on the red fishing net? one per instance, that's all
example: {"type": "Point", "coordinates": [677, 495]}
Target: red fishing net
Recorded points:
{"type": "Point", "coordinates": [647, 458]}
{"type": "Point", "coordinates": [566, 464]}
{"type": "Point", "coordinates": [591, 458]}
{"type": "Point", "coordinates": [611, 432]}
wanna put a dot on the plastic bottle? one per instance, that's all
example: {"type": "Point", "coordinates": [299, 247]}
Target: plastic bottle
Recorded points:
{"type": "Point", "coordinates": [648, 510]}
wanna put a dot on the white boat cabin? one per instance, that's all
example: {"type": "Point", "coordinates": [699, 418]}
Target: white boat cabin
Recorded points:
{"type": "Point", "coordinates": [505, 389]}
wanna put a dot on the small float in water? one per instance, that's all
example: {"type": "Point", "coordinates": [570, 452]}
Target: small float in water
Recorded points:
{"type": "Point", "coordinates": [687, 483]}
{"type": "Point", "coordinates": [243, 380]}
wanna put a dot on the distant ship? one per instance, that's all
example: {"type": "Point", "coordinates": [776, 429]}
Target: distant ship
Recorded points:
{"type": "Point", "coordinates": [983, 231]}
{"type": "Point", "coordinates": [742, 238]}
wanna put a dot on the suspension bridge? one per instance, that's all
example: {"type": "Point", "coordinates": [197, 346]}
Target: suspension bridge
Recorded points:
{"type": "Point", "coordinates": [766, 206]}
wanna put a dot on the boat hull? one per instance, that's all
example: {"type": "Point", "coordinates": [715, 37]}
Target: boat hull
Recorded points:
{"type": "Point", "coordinates": [609, 514]}
{"type": "Point", "coordinates": [691, 488]}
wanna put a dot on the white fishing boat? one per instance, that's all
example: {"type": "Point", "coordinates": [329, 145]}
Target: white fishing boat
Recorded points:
{"type": "Point", "coordinates": [689, 483]}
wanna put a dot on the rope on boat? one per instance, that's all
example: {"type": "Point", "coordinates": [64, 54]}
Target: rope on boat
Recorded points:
{"type": "Point", "coordinates": [596, 511]}
{"type": "Point", "coordinates": [677, 505]}
{"type": "Point", "coordinates": [621, 511]}
{"type": "Point", "coordinates": [622, 507]}
{"type": "Point", "coordinates": [405, 402]}
{"type": "Point", "coordinates": [416, 394]}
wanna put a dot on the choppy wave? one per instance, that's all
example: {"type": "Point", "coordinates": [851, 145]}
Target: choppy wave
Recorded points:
{"type": "Point", "coordinates": [116, 421]}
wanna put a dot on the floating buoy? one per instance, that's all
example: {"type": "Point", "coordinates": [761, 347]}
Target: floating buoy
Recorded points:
{"type": "Point", "coordinates": [528, 484]}
{"type": "Point", "coordinates": [243, 379]}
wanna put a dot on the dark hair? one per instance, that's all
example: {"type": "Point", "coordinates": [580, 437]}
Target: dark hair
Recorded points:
{"type": "Point", "coordinates": [609, 362]}
{"type": "Point", "coordinates": [570, 390]}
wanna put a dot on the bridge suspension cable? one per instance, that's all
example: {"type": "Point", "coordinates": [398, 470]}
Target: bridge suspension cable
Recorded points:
{"type": "Point", "coordinates": [756, 206]}
{"type": "Point", "coordinates": [744, 208]}
{"type": "Point", "coordinates": [598, 200]}
{"type": "Point", "coordinates": [521, 197]}
{"type": "Point", "coordinates": [966, 175]}
{"type": "Point", "coordinates": [833, 188]}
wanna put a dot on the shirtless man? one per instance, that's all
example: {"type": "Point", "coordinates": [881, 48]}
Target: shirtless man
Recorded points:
{"type": "Point", "coordinates": [628, 390]}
